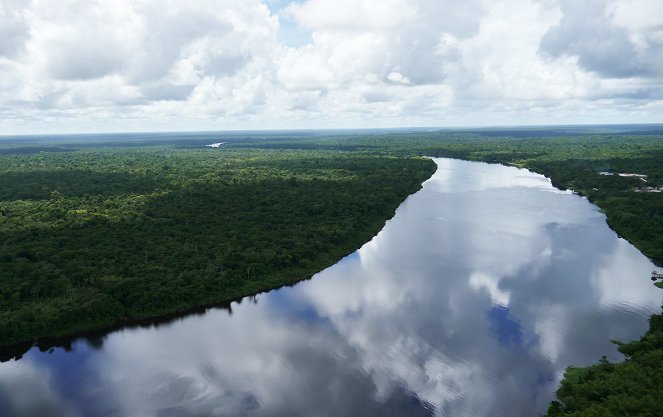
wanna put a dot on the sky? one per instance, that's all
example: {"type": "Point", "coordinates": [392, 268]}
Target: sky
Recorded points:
{"type": "Point", "coordinates": [75, 66]}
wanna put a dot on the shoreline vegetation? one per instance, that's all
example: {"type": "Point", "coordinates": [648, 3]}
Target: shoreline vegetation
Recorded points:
{"type": "Point", "coordinates": [630, 388]}
{"type": "Point", "coordinates": [102, 233]}
{"type": "Point", "coordinates": [99, 237]}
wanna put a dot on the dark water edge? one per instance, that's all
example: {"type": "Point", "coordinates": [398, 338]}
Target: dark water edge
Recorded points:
{"type": "Point", "coordinates": [93, 337]}
{"type": "Point", "coordinates": [16, 352]}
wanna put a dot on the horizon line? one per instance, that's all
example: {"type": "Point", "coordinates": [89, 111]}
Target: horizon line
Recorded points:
{"type": "Point", "coordinates": [344, 129]}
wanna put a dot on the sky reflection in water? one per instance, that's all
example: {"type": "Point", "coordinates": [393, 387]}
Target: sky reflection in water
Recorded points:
{"type": "Point", "coordinates": [470, 302]}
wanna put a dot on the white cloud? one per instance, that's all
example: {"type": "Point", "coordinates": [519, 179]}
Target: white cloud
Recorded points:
{"type": "Point", "coordinates": [14, 30]}
{"type": "Point", "coordinates": [587, 32]}
{"type": "Point", "coordinates": [204, 64]}
{"type": "Point", "coordinates": [359, 15]}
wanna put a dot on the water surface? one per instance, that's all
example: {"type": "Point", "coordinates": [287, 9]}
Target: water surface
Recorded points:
{"type": "Point", "coordinates": [471, 301]}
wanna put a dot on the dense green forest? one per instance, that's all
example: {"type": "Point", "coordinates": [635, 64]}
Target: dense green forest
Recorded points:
{"type": "Point", "coordinates": [93, 236]}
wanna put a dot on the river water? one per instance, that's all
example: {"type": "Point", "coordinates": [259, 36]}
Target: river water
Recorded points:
{"type": "Point", "coordinates": [471, 301]}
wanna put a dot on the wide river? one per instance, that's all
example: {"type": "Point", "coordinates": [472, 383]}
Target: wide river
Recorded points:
{"type": "Point", "coordinates": [471, 301]}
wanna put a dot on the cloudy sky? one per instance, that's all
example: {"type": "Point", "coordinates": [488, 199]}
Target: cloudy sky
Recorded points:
{"type": "Point", "coordinates": [137, 65]}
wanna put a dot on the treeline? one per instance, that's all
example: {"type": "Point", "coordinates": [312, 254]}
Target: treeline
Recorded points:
{"type": "Point", "coordinates": [631, 388]}
{"type": "Point", "coordinates": [96, 236]}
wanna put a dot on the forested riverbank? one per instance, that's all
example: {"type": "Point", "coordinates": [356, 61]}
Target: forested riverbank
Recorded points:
{"type": "Point", "coordinates": [630, 388]}
{"type": "Point", "coordinates": [95, 236]}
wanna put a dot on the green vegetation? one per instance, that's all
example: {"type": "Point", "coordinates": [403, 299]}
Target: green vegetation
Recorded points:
{"type": "Point", "coordinates": [99, 235]}
{"type": "Point", "coordinates": [631, 388]}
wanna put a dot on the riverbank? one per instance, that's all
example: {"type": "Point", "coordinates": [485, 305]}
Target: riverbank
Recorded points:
{"type": "Point", "coordinates": [630, 388]}
{"type": "Point", "coordinates": [96, 237]}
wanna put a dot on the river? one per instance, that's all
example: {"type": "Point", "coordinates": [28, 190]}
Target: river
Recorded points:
{"type": "Point", "coordinates": [471, 301]}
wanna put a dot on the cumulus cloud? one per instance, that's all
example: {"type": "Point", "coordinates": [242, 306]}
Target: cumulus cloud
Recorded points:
{"type": "Point", "coordinates": [14, 29]}
{"type": "Point", "coordinates": [606, 39]}
{"type": "Point", "coordinates": [397, 41]}
{"type": "Point", "coordinates": [206, 64]}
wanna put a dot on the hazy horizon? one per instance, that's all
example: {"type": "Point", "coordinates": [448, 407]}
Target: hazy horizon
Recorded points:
{"type": "Point", "coordinates": [611, 128]}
